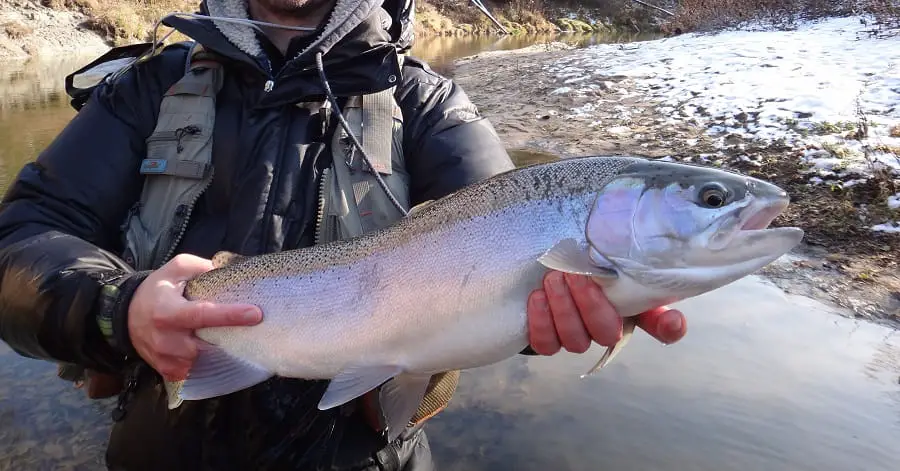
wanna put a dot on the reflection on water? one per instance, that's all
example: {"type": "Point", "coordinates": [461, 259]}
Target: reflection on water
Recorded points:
{"type": "Point", "coordinates": [33, 109]}
{"type": "Point", "coordinates": [34, 106]}
{"type": "Point", "coordinates": [763, 381]}
{"type": "Point", "coordinates": [44, 422]}
{"type": "Point", "coordinates": [441, 51]}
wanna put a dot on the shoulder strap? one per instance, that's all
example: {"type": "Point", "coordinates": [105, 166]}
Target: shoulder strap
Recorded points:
{"type": "Point", "coordinates": [178, 165]}
{"type": "Point", "coordinates": [353, 201]}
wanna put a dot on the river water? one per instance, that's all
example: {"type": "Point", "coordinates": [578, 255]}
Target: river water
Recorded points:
{"type": "Point", "coordinates": [763, 380]}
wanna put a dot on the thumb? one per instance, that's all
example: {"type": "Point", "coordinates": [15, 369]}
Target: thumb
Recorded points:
{"type": "Point", "coordinates": [186, 266]}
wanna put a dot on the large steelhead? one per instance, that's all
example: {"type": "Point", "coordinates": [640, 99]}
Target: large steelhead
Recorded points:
{"type": "Point", "coordinates": [446, 287]}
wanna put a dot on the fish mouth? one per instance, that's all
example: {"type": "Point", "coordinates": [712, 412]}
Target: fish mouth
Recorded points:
{"type": "Point", "coordinates": [754, 238]}
{"type": "Point", "coordinates": [763, 217]}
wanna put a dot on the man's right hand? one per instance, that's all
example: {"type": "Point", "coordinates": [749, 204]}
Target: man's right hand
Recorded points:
{"type": "Point", "coordinates": [161, 322]}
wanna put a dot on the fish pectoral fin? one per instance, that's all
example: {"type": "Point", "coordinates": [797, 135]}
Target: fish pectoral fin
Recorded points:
{"type": "Point", "coordinates": [216, 373]}
{"type": "Point", "coordinates": [225, 258]}
{"type": "Point", "coordinates": [354, 381]}
{"type": "Point", "coordinates": [628, 324]}
{"type": "Point", "coordinates": [567, 256]}
{"type": "Point", "coordinates": [399, 399]}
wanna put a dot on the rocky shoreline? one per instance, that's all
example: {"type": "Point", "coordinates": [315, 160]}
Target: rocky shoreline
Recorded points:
{"type": "Point", "coordinates": [29, 29]}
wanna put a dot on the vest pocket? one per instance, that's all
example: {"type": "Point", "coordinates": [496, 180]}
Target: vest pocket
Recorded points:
{"type": "Point", "coordinates": [137, 241]}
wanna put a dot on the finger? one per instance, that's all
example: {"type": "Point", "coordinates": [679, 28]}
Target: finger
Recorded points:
{"type": "Point", "coordinates": [199, 315]}
{"type": "Point", "coordinates": [664, 324]}
{"type": "Point", "coordinates": [173, 369]}
{"type": "Point", "coordinates": [541, 331]}
{"type": "Point", "coordinates": [186, 266]}
{"type": "Point", "coordinates": [600, 318]}
{"type": "Point", "coordinates": [572, 334]}
{"type": "Point", "coordinates": [173, 344]}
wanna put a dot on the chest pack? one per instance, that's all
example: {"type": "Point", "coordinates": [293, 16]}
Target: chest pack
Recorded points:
{"type": "Point", "coordinates": [179, 167]}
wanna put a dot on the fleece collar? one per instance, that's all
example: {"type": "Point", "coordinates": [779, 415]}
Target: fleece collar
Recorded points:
{"type": "Point", "coordinates": [344, 18]}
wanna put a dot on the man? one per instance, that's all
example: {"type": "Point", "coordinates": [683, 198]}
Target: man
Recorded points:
{"type": "Point", "coordinates": [77, 286]}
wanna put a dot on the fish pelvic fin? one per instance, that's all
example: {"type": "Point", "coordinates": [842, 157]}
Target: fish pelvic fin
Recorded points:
{"type": "Point", "coordinates": [216, 373]}
{"type": "Point", "coordinates": [355, 380]}
{"type": "Point", "coordinates": [628, 325]}
{"type": "Point", "coordinates": [399, 397]}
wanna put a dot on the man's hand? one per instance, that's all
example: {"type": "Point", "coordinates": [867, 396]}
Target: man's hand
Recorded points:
{"type": "Point", "coordinates": [571, 311]}
{"type": "Point", "coordinates": [161, 321]}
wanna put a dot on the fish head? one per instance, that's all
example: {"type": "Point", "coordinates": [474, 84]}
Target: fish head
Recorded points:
{"type": "Point", "coordinates": [685, 229]}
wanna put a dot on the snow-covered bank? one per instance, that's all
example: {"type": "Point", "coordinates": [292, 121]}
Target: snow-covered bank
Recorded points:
{"type": "Point", "coordinates": [777, 105]}
{"type": "Point", "coordinates": [828, 90]}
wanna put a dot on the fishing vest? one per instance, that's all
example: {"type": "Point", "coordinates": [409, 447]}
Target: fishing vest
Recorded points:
{"type": "Point", "coordinates": [179, 167]}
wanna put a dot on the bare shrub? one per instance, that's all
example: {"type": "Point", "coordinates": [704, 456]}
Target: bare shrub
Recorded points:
{"type": "Point", "coordinates": [705, 15]}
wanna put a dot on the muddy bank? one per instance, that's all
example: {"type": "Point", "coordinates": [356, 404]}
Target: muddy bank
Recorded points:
{"type": "Point", "coordinates": [29, 29]}
{"type": "Point", "coordinates": [534, 107]}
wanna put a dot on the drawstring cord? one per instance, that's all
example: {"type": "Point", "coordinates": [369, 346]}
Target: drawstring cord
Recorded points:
{"type": "Point", "coordinates": [346, 126]}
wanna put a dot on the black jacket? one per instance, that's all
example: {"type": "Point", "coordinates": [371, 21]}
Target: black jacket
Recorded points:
{"type": "Point", "coordinates": [61, 235]}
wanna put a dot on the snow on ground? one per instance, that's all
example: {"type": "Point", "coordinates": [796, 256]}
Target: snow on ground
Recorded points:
{"type": "Point", "coordinates": [809, 88]}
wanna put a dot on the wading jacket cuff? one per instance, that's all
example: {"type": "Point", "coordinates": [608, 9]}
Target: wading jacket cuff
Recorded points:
{"type": "Point", "coordinates": [112, 313]}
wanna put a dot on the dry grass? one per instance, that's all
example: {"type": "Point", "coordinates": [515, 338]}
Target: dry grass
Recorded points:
{"type": "Point", "coordinates": [16, 30]}
{"type": "Point", "coordinates": [454, 17]}
{"type": "Point", "coordinates": [123, 22]}
{"type": "Point", "coordinates": [707, 15]}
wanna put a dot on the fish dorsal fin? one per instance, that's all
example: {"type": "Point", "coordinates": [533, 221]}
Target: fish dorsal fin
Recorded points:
{"type": "Point", "coordinates": [225, 258]}
{"type": "Point", "coordinates": [419, 207]}
{"type": "Point", "coordinates": [566, 256]}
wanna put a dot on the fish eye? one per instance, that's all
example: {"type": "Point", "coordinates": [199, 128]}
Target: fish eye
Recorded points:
{"type": "Point", "coordinates": [714, 195]}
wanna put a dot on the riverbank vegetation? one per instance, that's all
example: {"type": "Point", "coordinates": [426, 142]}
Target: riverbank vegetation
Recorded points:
{"type": "Point", "coordinates": [712, 15]}
{"type": "Point", "coordinates": [128, 21]}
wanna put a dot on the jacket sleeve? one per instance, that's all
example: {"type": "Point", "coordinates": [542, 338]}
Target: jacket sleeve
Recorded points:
{"type": "Point", "coordinates": [60, 223]}
{"type": "Point", "coordinates": [448, 144]}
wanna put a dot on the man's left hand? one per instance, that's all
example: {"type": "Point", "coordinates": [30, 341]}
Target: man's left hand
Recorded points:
{"type": "Point", "coordinates": [571, 311]}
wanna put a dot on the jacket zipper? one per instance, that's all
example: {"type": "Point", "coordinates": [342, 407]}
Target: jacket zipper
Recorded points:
{"type": "Point", "coordinates": [187, 217]}
{"type": "Point", "coordinates": [323, 199]}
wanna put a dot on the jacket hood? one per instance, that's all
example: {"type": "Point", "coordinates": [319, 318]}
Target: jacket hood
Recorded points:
{"type": "Point", "coordinates": [358, 53]}
{"type": "Point", "coordinates": [358, 25]}
{"type": "Point", "coordinates": [344, 18]}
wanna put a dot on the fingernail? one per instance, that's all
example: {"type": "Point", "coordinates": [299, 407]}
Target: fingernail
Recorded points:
{"type": "Point", "coordinates": [557, 284]}
{"type": "Point", "coordinates": [673, 328]}
{"type": "Point", "coordinates": [576, 280]}
{"type": "Point", "coordinates": [540, 302]}
{"type": "Point", "coordinates": [250, 315]}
